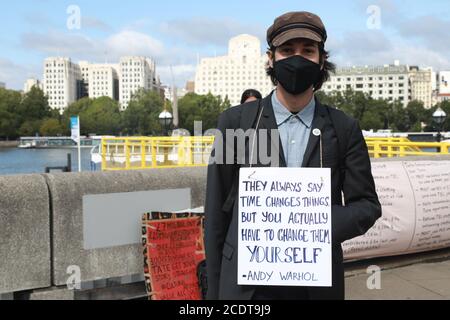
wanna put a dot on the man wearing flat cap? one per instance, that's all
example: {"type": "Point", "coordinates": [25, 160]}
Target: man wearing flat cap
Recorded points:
{"type": "Point", "coordinates": [309, 134]}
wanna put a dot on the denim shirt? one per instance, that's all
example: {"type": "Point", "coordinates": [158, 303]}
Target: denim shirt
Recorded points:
{"type": "Point", "coordinates": [294, 130]}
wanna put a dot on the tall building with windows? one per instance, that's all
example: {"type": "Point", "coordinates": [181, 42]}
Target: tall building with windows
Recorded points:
{"type": "Point", "coordinates": [84, 88]}
{"type": "Point", "coordinates": [66, 82]}
{"type": "Point", "coordinates": [62, 79]}
{"type": "Point", "coordinates": [99, 80]}
{"type": "Point", "coordinates": [136, 73]}
{"type": "Point", "coordinates": [103, 81]}
{"type": "Point", "coordinates": [389, 82]}
{"type": "Point", "coordinates": [243, 68]}
{"type": "Point", "coordinates": [421, 85]}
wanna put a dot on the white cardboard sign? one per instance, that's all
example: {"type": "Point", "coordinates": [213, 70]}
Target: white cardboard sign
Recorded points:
{"type": "Point", "coordinates": [284, 227]}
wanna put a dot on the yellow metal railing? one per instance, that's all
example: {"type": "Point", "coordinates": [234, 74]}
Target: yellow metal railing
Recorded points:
{"type": "Point", "coordinates": [138, 153]}
{"type": "Point", "coordinates": [380, 148]}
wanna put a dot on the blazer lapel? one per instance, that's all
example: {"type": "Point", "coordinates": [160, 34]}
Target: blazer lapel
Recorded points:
{"type": "Point", "coordinates": [269, 123]}
{"type": "Point", "coordinates": [318, 123]}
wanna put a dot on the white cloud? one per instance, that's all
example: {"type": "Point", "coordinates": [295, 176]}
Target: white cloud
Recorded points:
{"type": "Point", "coordinates": [94, 23]}
{"type": "Point", "coordinates": [134, 43]}
{"type": "Point", "coordinates": [181, 74]}
{"type": "Point", "coordinates": [59, 43]}
{"type": "Point", "coordinates": [376, 51]}
{"type": "Point", "coordinates": [14, 75]}
{"type": "Point", "coordinates": [125, 43]}
{"type": "Point", "coordinates": [79, 46]}
{"type": "Point", "coordinates": [207, 31]}
{"type": "Point", "coordinates": [429, 30]}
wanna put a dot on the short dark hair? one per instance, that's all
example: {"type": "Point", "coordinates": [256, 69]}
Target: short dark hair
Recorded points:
{"type": "Point", "coordinates": [328, 67]}
{"type": "Point", "coordinates": [250, 93]}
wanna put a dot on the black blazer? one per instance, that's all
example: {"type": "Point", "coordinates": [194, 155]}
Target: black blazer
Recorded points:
{"type": "Point", "coordinates": [353, 178]}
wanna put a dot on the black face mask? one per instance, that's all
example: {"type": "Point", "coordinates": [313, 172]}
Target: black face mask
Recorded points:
{"type": "Point", "coordinates": [296, 74]}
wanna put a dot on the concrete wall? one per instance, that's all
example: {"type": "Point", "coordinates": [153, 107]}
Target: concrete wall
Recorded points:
{"type": "Point", "coordinates": [24, 233]}
{"type": "Point", "coordinates": [67, 191]}
{"type": "Point", "coordinates": [41, 225]}
{"type": "Point", "coordinates": [9, 144]}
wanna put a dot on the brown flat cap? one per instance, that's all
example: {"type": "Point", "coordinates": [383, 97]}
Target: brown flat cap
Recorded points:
{"type": "Point", "coordinates": [293, 25]}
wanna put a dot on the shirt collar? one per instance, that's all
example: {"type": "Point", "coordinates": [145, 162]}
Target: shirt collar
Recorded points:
{"type": "Point", "coordinates": [282, 114]}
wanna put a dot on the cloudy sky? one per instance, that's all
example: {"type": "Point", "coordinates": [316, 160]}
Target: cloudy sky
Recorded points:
{"type": "Point", "coordinates": [175, 33]}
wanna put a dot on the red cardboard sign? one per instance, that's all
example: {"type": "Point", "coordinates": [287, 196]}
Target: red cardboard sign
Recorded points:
{"type": "Point", "coordinates": [173, 248]}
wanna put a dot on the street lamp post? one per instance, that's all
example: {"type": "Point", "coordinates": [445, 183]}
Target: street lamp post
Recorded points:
{"type": "Point", "coordinates": [439, 117]}
{"type": "Point", "coordinates": [165, 119]}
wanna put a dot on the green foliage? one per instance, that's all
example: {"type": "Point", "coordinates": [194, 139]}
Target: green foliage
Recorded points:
{"type": "Point", "coordinates": [100, 116]}
{"type": "Point", "coordinates": [206, 109]}
{"type": "Point", "coordinates": [28, 115]}
{"type": "Point", "coordinates": [30, 128]}
{"type": "Point", "coordinates": [142, 115]}
{"type": "Point", "coordinates": [34, 106]}
{"type": "Point", "coordinates": [445, 105]}
{"type": "Point", "coordinates": [9, 118]}
{"type": "Point", "coordinates": [378, 114]}
{"type": "Point", "coordinates": [51, 127]}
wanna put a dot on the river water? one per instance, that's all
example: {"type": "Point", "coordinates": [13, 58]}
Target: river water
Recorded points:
{"type": "Point", "coordinates": [24, 161]}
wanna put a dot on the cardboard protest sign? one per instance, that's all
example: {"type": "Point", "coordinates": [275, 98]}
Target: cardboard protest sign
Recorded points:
{"type": "Point", "coordinates": [415, 197]}
{"type": "Point", "coordinates": [173, 249]}
{"type": "Point", "coordinates": [284, 227]}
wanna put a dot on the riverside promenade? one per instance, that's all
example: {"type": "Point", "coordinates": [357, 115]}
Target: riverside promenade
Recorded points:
{"type": "Point", "coordinates": [421, 276]}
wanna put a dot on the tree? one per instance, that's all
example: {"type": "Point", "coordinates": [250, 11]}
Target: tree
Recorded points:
{"type": "Point", "coordinates": [51, 127]}
{"type": "Point", "coordinates": [102, 117]}
{"type": "Point", "coordinates": [34, 106]}
{"type": "Point", "coordinates": [30, 128]}
{"type": "Point", "coordinates": [9, 120]}
{"type": "Point", "coordinates": [142, 115]}
{"type": "Point", "coordinates": [445, 105]}
{"type": "Point", "coordinates": [415, 113]}
{"type": "Point", "coordinates": [371, 113]}
{"type": "Point", "coordinates": [204, 108]}
{"type": "Point", "coordinates": [77, 108]}
{"type": "Point", "coordinates": [432, 125]}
